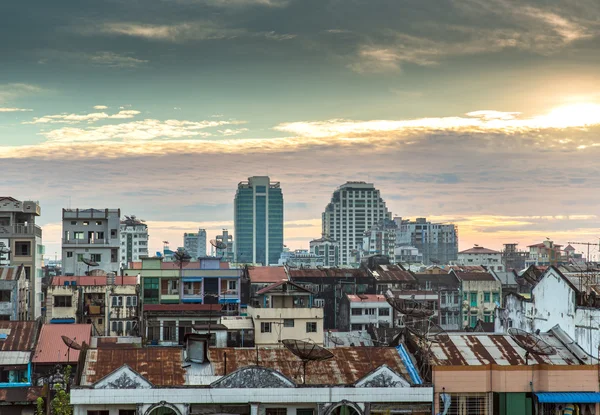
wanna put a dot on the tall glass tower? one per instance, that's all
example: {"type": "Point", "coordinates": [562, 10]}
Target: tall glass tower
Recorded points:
{"type": "Point", "coordinates": [258, 221]}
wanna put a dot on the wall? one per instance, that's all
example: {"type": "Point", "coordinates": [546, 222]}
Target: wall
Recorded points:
{"type": "Point", "coordinates": [10, 308]}
{"type": "Point", "coordinates": [61, 312]}
{"type": "Point", "coordinates": [482, 307]}
{"type": "Point", "coordinates": [276, 317]}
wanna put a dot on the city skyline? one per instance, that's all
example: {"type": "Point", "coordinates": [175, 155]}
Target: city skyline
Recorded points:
{"type": "Point", "coordinates": [484, 114]}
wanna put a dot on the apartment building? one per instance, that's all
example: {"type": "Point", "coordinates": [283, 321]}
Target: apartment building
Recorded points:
{"type": "Point", "coordinates": [134, 240]}
{"type": "Point", "coordinates": [286, 310]}
{"type": "Point", "coordinates": [437, 242]}
{"type": "Point", "coordinates": [23, 239]}
{"type": "Point", "coordinates": [481, 295]}
{"type": "Point", "coordinates": [478, 255]}
{"type": "Point", "coordinates": [380, 239]}
{"type": "Point", "coordinates": [358, 312]}
{"type": "Point", "coordinates": [14, 293]}
{"type": "Point", "coordinates": [194, 243]}
{"type": "Point", "coordinates": [91, 234]}
{"type": "Point", "coordinates": [327, 248]}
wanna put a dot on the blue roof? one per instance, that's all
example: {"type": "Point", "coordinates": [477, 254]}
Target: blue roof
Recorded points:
{"type": "Point", "coordinates": [568, 397]}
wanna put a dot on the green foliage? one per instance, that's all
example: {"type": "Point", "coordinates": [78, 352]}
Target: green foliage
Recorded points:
{"type": "Point", "coordinates": [39, 408]}
{"type": "Point", "coordinates": [61, 403]}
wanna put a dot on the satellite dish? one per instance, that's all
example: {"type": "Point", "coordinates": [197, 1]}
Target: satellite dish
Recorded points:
{"type": "Point", "coordinates": [531, 343]}
{"type": "Point", "coordinates": [4, 250]}
{"type": "Point", "coordinates": [427, 330]}
{"type": "Point", "coordinates": [336, 340]}
{"type": "Point", "coordinates": [218, 244]}
{"type": "Point", "coordinates": [307, 352]}
{"type": "Point", "coordinates": [408, 307]}
{"type": "Point", "coordinates": [71, 344]}
{"type": "Point", "coordinates": [89, 262]}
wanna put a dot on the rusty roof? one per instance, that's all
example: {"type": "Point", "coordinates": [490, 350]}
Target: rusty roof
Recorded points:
{"type": "Point", "coordinates": [166, 265]}
{"type": "Point", "coordinates": [366, 298]}
{"type": "Point", "coordinates": [474, 276]}
{"type": "Point", "coordinates": [20, 394]}
{"type": "Point", "coordinates": [52, 349]}
{"type": "Point", "coordinates": [348, 365]}
{"type": "Point", "coordinates": [260, 275]}
{"type": "Point", "coordinates": [12, 273]}
{"type": "Point", "coordinates": [275, 288]}
{"type": "Point", "coordinates": [21, 336]}
{"type": "Point", "coordinates": [479, 250]}
{"type": "Point", "coordinates": [385, 272]}
{"type": "Point", "coordinates": [182, 307]}
{"type": "Point", "coordinates": [161, 366]}
{"type": "Point", "coordinates": [474, 349]}
{"type": "Point", "coordinates": [327, 273]}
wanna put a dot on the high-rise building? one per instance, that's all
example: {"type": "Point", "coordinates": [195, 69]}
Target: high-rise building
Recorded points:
{"type": "Point", "coordinates": [91, 234]}
{"type": "Point", "coordinates": [258, 221]}
{"type": "Point", "coordinates": [226, 254]}
{"type": "Point", "coordinates": [21, 244]}
{"type": "Point", "coordinates": [328, 249]}
{"type": "Point", "coordinates": [354, 208]}
{"type": "Point", "coordinates": [195, 243]}
{"type": "Point", "coordinates": [438, 242]}
{"type": "Point", "coordinates": [134, 240]}
{"type": "Point", "coordinates": [380, 239]}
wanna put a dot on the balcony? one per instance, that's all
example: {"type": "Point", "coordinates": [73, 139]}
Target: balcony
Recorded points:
{"type": "Point", "coordinates": [20, 230]}
{"type": "Point", "coordinates": [72, 241]}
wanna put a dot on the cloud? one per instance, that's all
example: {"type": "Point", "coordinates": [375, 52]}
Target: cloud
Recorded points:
{"type": "Point", "coordinates": [241, 3]}
{"type": "Point", "coordinates": [78, 118]}
{"type": "Point", "coordinates": [114, 60]}
{"type": "Point", "coordinates": [103, 59]}
{"type": "Point", "coordinates": [5, 109]}
{"type": "Point", "coordinates": [180, 32]}
{"type": "Point", "coordinates": [13, 91]}
{"type": "Point", "coordinates": [229, 132]}
{"type": "Point", "coordinates": [100, 107]}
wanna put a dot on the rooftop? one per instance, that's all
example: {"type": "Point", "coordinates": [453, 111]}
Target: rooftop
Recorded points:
{"type": "Point", "coordinates": [479, 250]}
{"type": "Point", "coordinates": [182, 307]}
{"type": "Point", "coordinates": [259, 275]}
{"type": "Point", "coordinates": [283, 287]}
{"type": "Point", "coordinates": [366, 298]}
{"type": "Point", "coordinates": [20, 336]}
{"type": "Point", "coordinates": [327, 273]}
{"type": "Point", "coordinates": [166, 265]}
{"type": "Point", "coordinates": [474, 276]}
{"type": "Point", "coordinates": [391, 272]}
{"type": "Point", "coordinates": [95, 280]}
{"type": "Point", "coordinates": [11, 273]}
{"type": "Point", "coordinates": [51, 348]}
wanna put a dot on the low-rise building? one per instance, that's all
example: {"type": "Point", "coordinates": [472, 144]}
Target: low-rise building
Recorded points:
{"type": "Point", "coordinates": [327, 248]}
{"type": "Point", "coordinates": [109, 303]}
{"type": "Point", "coordinates": [408, 255]}
{"type": "Point", "coordinates": [262, 277]}
{"type": "Point", "coordinates": [478, 255]}
{"type": "Point", "coordinates": [358, 312]}
{"type": "Point", "coordinates": [160, 381]}
{"type": "Point", "coordinates": [301, 258]}
{"type": "Point", "coordinates": [14, 293]}
{"type": "Point", "coordinates": [285, 311]}
{"type": "Point", "coordinates": [448, 289]}
{"type": "Point", "coordinates": [134, 240]}
{"type": "Point", "coordinates": [481, 294]}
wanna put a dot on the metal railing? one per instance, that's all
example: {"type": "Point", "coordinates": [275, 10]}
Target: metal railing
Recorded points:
{"type": "Point", "coordinates": [32, 230]}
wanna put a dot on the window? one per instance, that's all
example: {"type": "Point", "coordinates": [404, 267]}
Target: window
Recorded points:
{"type": "Point", "coordinates": [78, 235]}
{"type": "Point", "coordinates": [128, 303]}
{"type": "Point", "coordinates": [22, 248]}
{"type": "Point", "coordinates": [305, 411]}
{"type": "Point", "coordinates": [265, 327]}
{"type": "Point", "coordinates": [384, 311]}
{"type": "Point", "coordinates": [150, 290]}
{"type": "Point", "coordinates": [465, 296]}
{"type": "Point", "coordinates": [474, 299]}
{"type": "Point", "coordinates": [288, 322]}
{"type": "Point", "coordinates": [4, 296]}
{"type": "Point", "coordinates": [275, 411]}
{"type": "Point", "coordinates": [486, 297]}
{"type": "Point", "coordinates": [73, 222]}
{"type": "Point", "coordinates": [311, 327]}
{"type": "Point", "coordinates": [62, 301]}
{"type": "Point", "coordinates": [86, 223]}
{"type": "Point", "coordinates": [99, 223]}
{"type": "Point", "coordinates": [96, 257]}
{"type": "Point", "coordinates": [114, 301]}
{"type": "Point", "coordinates": [487, 317]}
{"type": "Point", "coordinates": [127, 412]}
{"type": "Point", "coordinates": [496, 297]}
{"type": "Point", "coordinates": [69, 254]}
{"type": "Point", "coordinates": [232, 285]}
{"type": "Point", "coordinates": [357, 327]}
{"type": "Point", "coordinates": [473, 321]}
{"type": "Point", "coordinates": [97, 412]}
{"type": "Point", "coordinates": [100, 235]}
{"type": "Point", "coordinates": [79, 257]}
{"type": "Point", "coordinates": [113, 233]}
{"type": "Point", "coordinates": [128, 328]}
{"type": "Point", "coordinates": [357, 311]}
{"type": "Point", "coordinates": [119, 301]}
{"type": "Point", "coordinates": [369, 311]}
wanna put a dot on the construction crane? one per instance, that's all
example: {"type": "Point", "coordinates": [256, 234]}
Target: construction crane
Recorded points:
{"type": "Point", "coordinates": [588, 244]}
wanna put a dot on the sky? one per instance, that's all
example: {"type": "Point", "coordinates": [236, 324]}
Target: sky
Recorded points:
{"type": "Point", "coordinates": [485, 113]}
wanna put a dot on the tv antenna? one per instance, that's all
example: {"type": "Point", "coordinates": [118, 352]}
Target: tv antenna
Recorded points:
{"type": "Point", "coordinates": [531, 343]}
{"type": "Point", "coordinates": [307, 352]}
{"type": "Point", "coordinates": [71, 344]}
{"type": "Point", "coordinates": [89, 263]}
{"type": "Point", "coordinates": [219, 246]}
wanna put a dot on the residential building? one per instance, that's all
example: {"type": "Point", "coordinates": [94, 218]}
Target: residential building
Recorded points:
{"type": "Point", "coordinates": [481, 294]}
{"type": "Point", "coordinates": [438, 242]}
{"type": "Point", "coordinates": [285, 311]}
{"type": "Point", "coordinates": [261, 277]}
{"type": "Point", "coordinates": [478, 255]}
{"type": "Point", "coordinates": [380, 239]}
{"type": "Point", "coordinates": [91, 234]}
{"type": "Point", "coordinates": [329, 286]}
{"type": "Point", "coordinates": [485, 374]}
{"type": "Point", "coordinates": [20, 234]}
{"type": "Point", "coordinates": [227, 254]}
{"type": "Point", "coordinates": [175, 298]}
{"type": "Point", "coordinates": [300, 258]}
{"type": "Point", "coordinates": [195, 243]}
{"type": "Point", "coordinates": [109, 303]}
{"type": "Point", "coordinates": [258, 221]}
{"type": "Point", "coordinates": [134, 240]}
{"type": "Point", "coordinates": [51, 350]}
{"type": "Point", "coordinates": [355, 381]}
{"type": "Point", "coordinates": [513, 258]}
{"type": "Point", "coordinates": [408, 255]}
{"type": "Point", "coordinates": [14, 293]}
{"type": "Point", "coordinates": [387, 276]}
{"type": "Point", "coordinates": [556, 298]}
{"type": "Point", "coordinates": [327, 248]}
{"type": "Point", "coordinates": [17, 391]}
{"type": "Point", "coordinates": [545, 254]}
{"type": "Point", "coordinates": [354, 208]}
{"type": "Point", "coordinates": [358, 312]}
{"type": "Point", "coordinates": [240, 330]}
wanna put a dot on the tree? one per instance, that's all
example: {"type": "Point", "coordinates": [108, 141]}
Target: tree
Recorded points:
{"type": "Point", "coordinates": [39, 409]}
{"type": "Point", "coordinates": [61, 404]}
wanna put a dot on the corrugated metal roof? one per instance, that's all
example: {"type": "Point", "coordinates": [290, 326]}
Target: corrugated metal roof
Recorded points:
{"type": "Point", "coordinates": [182, 307]}
{"type": "Point", "coordinates": [11, 273]}
{"type": "Point", "coordinates": [14, 358]}
{"type": "Point", "coordinates": [266, 274]}
{"type": "Point", "coordinates": [274, 288]}
{"type": "Point", "coordinates": [347, 338]}
{"type": "Point", "coordinates": [349, 364]}
{"type": "Point", "coordinates": [479, 250]}
{"type": "Point", "coordinates": [568, 397]}
{"type": "Point", "coordinates": [20, 394]}
{"type": "Point", "coordinates": [52, 349]}
{"type": "Point", "coordinates": [474, 349]}
{"type": "Point", "coordinates": [384, 272]}
{"type": "Point", "coordinates": [21, 335]}
{"type": "Point", "coordinates": [366, 298]}
{"type": "Point", "coordinates": [474, 276]}
{"type": "Point", "coordinates": [327, 273]}
{"type": "Point", "coordinates": [162, 366]}
{"type": "Point", "coordinates": [237, 322]}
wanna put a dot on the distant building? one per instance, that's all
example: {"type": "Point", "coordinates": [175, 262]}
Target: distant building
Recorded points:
{"type": "Point", "coordinates": [301, 258]}
{"type": "Point", "coordinates": [408, 255]}
{"type": "Point", "coordinates": [354, 208]}
{"type": "Point", "coordinates": [91, 234]}
{"type": "Point", "coordinates": [227, 254]}
{"type": "Point", "coordinates": [448, 289]}
{"type": "Point", "coordinates": [195, 243]}
{"type": "Point", "coordinates": [357, 312]}
{"type": "Point", "coordinates": [482, 294]}
{"type": "Point", "coordinates": [134, 240]}
{"type": "Point", "coordinates": [437, 242]}
{"type": "Point", "coordinates": [327, 248]}
{"type": "Point", "coordinates": [20, 234]}
{"type": "Point", "coordinates": [478, 255]}
{"type": "Point", "coordinates": [380, 239]}
{"type": "Point", "coordinates": [546, 253]}
{"type": "Point", "coordinates": [258, 221]}
{"type": "Point", "coordinates": [14, 293]}
{"type": "Point", "coordinates": [513, 258]}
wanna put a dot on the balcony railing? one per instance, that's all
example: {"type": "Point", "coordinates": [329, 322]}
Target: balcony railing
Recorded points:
{"type": "Point", "coordinates": [21, 230]}
{"type": "Point", "coordinates": [86, 241]}
{"type": "Point", "coordinates": [230, 294]}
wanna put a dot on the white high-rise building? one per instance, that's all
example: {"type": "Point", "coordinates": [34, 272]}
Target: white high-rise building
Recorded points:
{"type": "Point", "coordinates": [134, 240]}
{"type": "Point", "coordinates": [195, 243]}
{"type": "Point", "coordinates": [354, 208]}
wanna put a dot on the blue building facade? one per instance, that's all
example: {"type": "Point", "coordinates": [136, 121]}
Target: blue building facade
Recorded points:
{"type": "Point", "coordinates": [258, 221]}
